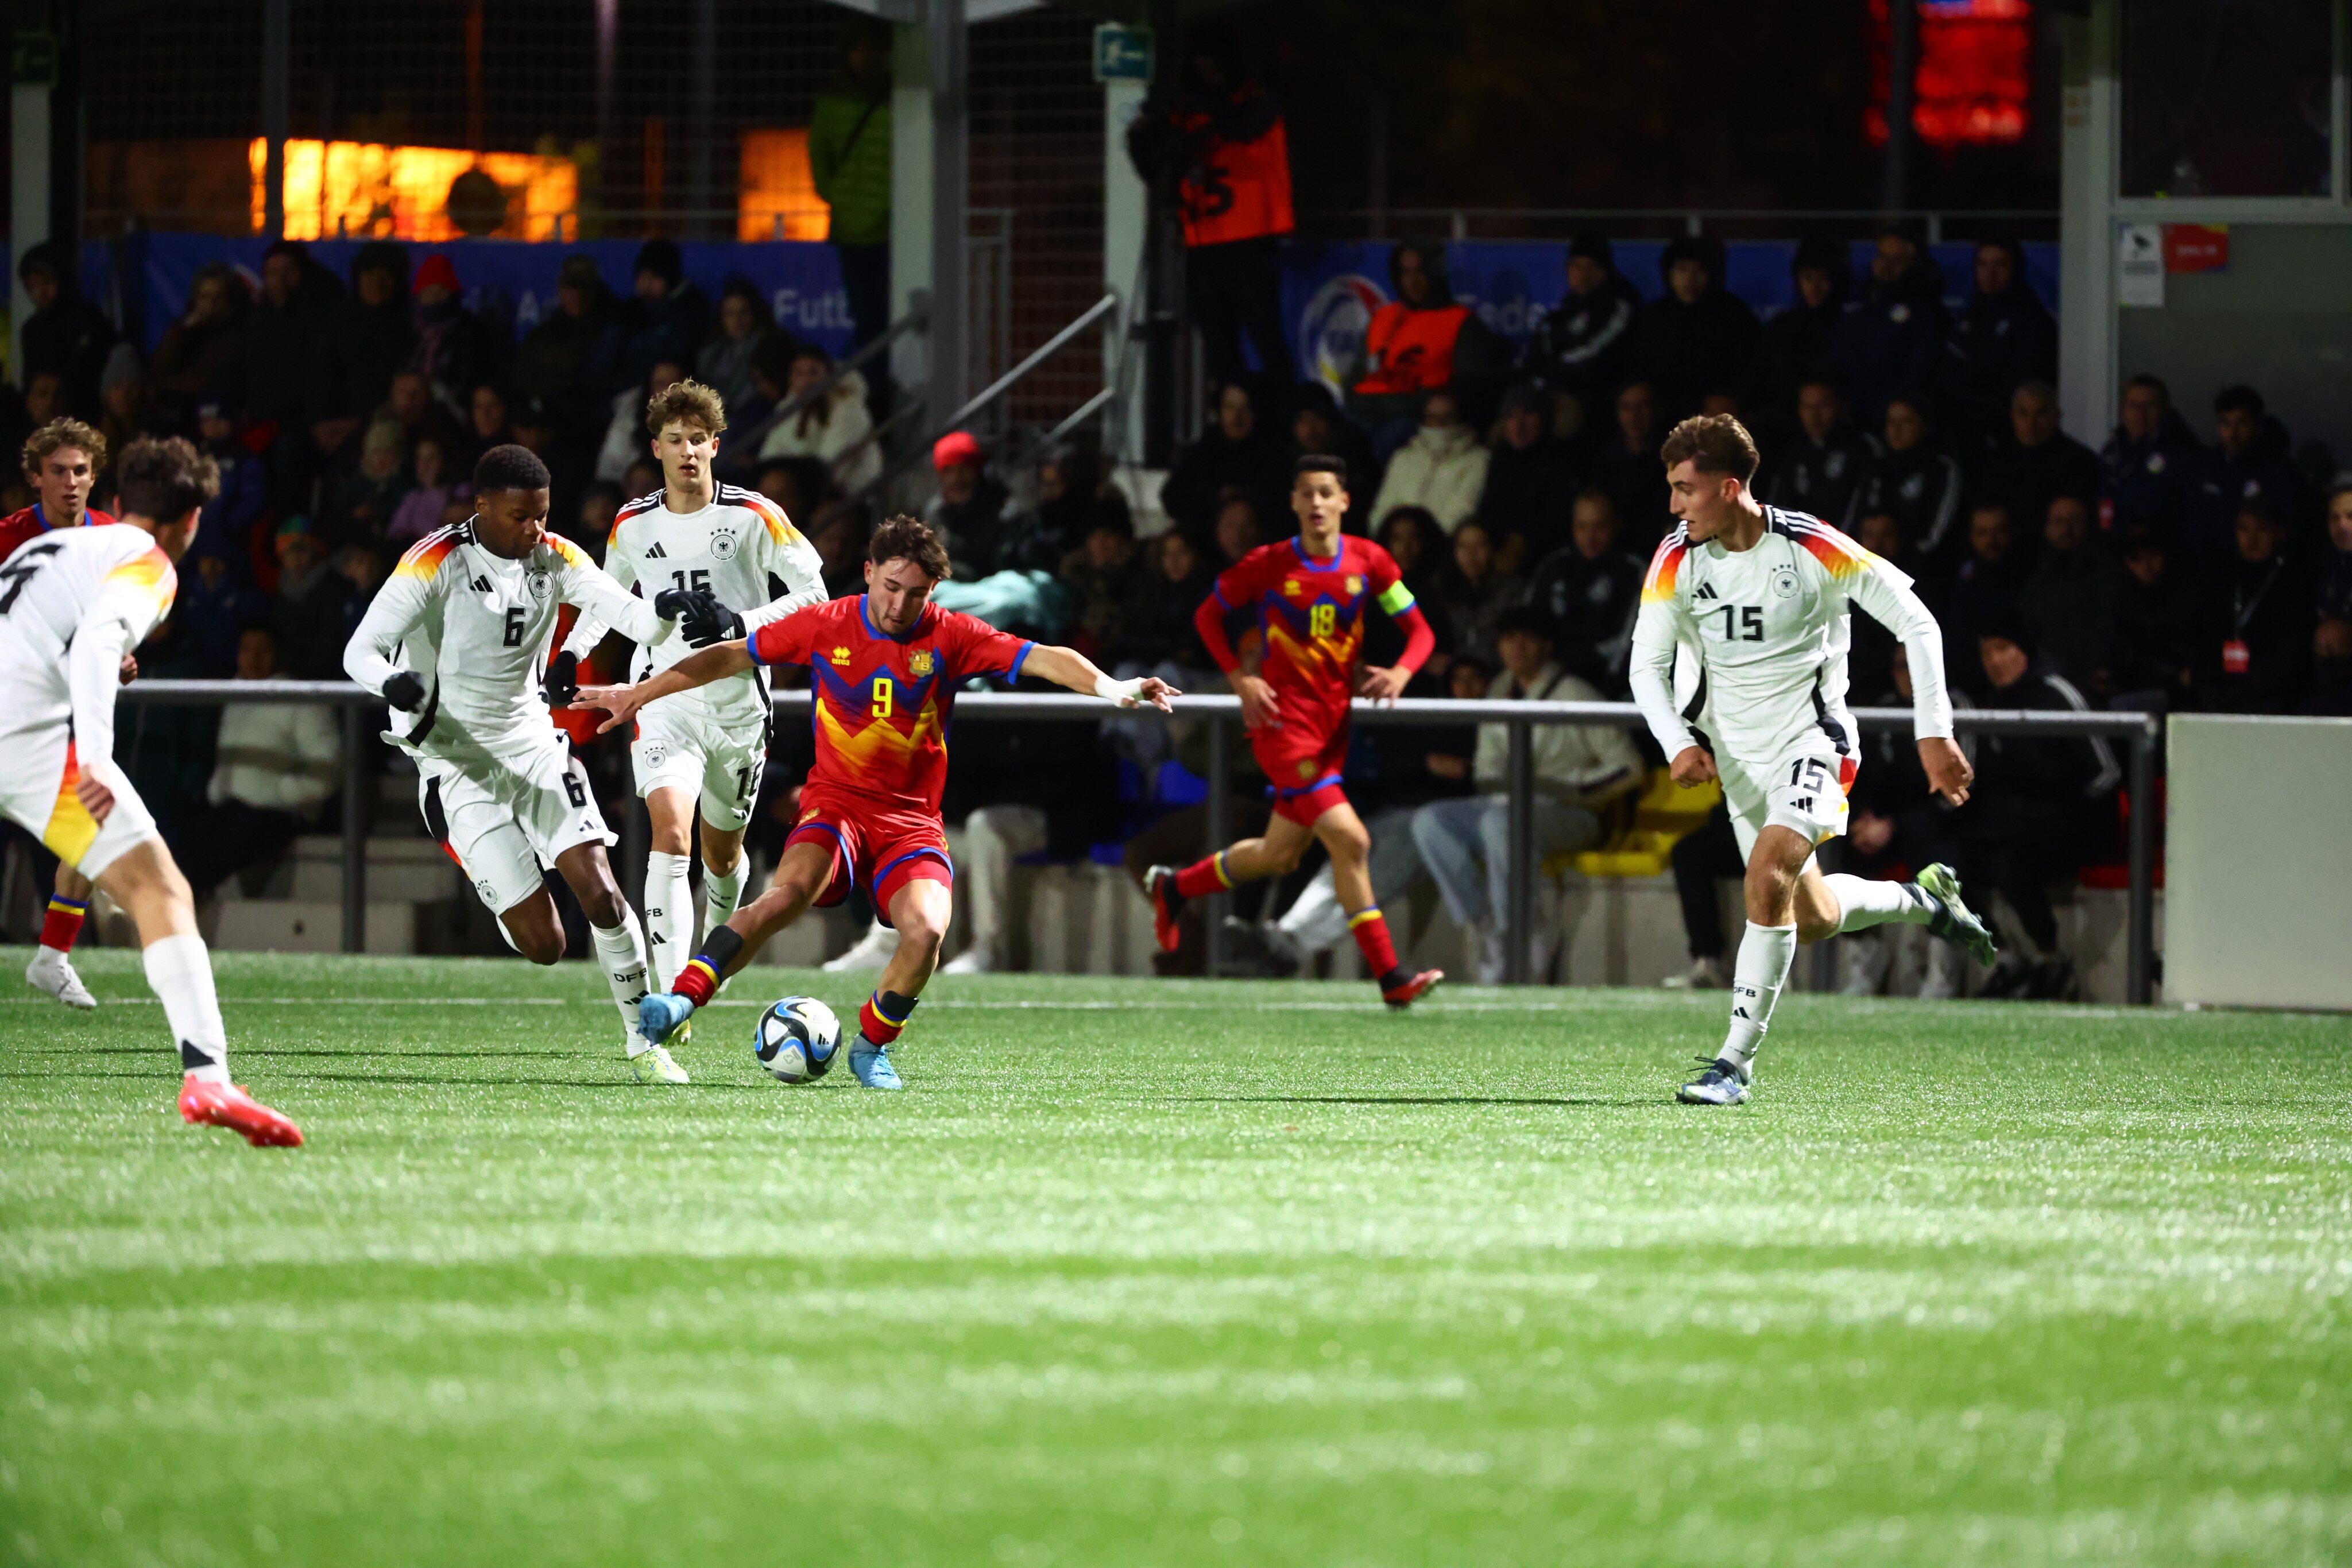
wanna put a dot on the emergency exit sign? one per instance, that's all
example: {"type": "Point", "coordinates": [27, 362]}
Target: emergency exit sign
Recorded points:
{"type": "Point", "coordinates": [1122, 53]}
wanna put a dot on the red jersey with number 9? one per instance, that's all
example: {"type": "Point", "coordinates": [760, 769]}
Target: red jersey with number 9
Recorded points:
{"type": "Point", "coordinates": [882, 703]}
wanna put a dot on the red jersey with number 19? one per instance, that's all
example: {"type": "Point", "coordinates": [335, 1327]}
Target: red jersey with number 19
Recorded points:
{"type": "Point", "coordinates": [882, 703]}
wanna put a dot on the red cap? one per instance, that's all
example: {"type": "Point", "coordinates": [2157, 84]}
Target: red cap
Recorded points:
{"type": "Point", "coordinates": [438, 269]}
{"type": "Point", "coordinates": [956, 449]}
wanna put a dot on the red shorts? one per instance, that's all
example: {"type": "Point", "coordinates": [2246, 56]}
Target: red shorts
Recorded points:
{"type": "Point", "coordinates": [874, 847]}
{"type": "Point", "coordinates": [1302, 768]}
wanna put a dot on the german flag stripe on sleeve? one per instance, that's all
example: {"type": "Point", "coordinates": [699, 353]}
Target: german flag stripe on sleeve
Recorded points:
{"type": "Point", "coordinates": [424, 559]}
{"type": "Point", "coordinates": [1844, 558]}
{"type": "Point", "coordinates": [1665, 567]}
{"type": "Point", "coordinates": [780, 528]}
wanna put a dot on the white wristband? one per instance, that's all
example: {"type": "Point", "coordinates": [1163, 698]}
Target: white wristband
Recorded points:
{"type": "Point", "coordinates": [1119, 692]}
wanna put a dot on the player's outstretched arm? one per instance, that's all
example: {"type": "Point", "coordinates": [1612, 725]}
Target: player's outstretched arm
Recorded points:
{"type": "Point", "coordinates": [1068, 667]}
{"type": "Point", "coordinates": [715, 663]}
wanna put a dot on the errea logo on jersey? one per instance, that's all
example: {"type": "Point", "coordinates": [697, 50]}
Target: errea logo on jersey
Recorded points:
{"type": "Point", "coordinates": [1290, 588]}
{"type": "Point", "coordinates": [840, 655]}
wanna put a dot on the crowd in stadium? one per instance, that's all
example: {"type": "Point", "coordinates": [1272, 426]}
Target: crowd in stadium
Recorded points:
{"type": "Point", "coordinates": [2198, 560]}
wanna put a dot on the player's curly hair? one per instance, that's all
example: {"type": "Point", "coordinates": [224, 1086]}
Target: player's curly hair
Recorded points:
{"type": "Point", "coordinates": [510, 467]}
{"type": "Point", "coordinates": [59, 433]}
{"type": "Point", "coordinates": [164, 480]}
{"type": "Point", "coordinates": [689, 401]}
{"type": "Point", "coordinates": [910, 539]}
{"type": "Point", "coordinates": [1713, 443]}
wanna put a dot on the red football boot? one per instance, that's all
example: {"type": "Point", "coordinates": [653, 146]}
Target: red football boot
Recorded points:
{"type": "Point", "coordinates": [1160, 886]}
{"type": "Point", "coordinates": [1405, 993]}
{"type": "Point", "coordinates": [228, 1105]}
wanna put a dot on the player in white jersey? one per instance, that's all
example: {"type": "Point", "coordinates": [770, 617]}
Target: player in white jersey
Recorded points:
{"type": "Point", "coordinates": [1756, 601]}
{"type": "Point", "coordinates": [456, 639]}
{"type": "Point", "coordinates": [699, 752]}
{"type": "Point", "coordinates": [73, 603]}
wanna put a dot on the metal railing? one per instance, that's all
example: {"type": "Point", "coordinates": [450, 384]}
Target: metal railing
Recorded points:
{"type": "Point", "coordinates": [1519, 223]}
{"type": "Point", "coordinates": [2140, 732]}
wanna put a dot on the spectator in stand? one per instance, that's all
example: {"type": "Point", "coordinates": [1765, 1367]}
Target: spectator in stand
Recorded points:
{"type": "Point", "coordinates": [796, 485]}
{"type": "Point", "coordinates": [1588, 591]}
{"type": "Point", "coordinates": [1822, 466]}
{"type": "Point", "coordinates": [1583, 350]}
{"type": "Point", "coordinates": [838, 532]}
{"type": "Point", "coordinates": [849, 160]}
{"type": "Point", "coordinates": [2262, 604]}
{"type": "Point", "coordinates": [1627, 466]}
{"type": "Point", "coordinates": [365, 504]}
{"type": "Point", "coordinates": [1443, 469]}
{"type": "Point", "coordinates": [1319, 429]}
{"type": "Point", "coordinates": [307, 612]}
{"type": "Point", "coordinates": [1696, 338]}
{"type": "Point", "coordinates": [1892, 336]}
{"type": "Point", "coordinates": [1221, 152]}
{"type": "Point", "coordinates": [2150, 465]}
{"type": "Point", "coordinates": [1914, 480]}
{"type": "Point", "coordinates": [363, 566]}
{"type": "Point", "coordinates": [969, 512]}
{"type": "Point", "coordinates": [625, 437]}
{"type": "Point", "coordinates": [122, 398]}
{"type": "Point", "coordinates": [66, 335]}
{"type": "Point", "coordinates": [434, 485]}
{"type": "Point", "coordinates": [371, 338]}
{"type": "Point", "coordinates": [2037, 802]}
{"type": "Point", "coordinates": [663, 322]}
{"type": "Point", "coordinates": [551, 363]}
{"type": "Point", "coordinates": [489, 420]}
{"type": "Point", "coordinates": [281, 368]}
{"type": "Point", "coordinates": [2249, 463]}
{"type": "Point", "coordinates": [1579, 771]}
{"type": "Point", "coordinates": [725, 361]}
{"type": "Point", "coordinates": [2037, 463]}
{"type": "Point", "coordinates": [1424, 340]}
{"type": "Point", "coordinates": [2331, 641]}
{"type": "Point", "coordinates": [277, 765]}
{"type": "Point", "coordinates": [214, 609]}
{"type": "Point", "coordinates": [453, 347]}
{"type": "Point", "coordinates": [2071, 600]}
{"type": "Point", "coordinates": [643, 476]}
{"type": "Point", "coordinates": [599, 508]}
{"type": "Point", "coordinates": [2164, 638]}
{"type": "Point", "coordinates": [832, 428]}
{"type": "Point", "coordinates": [1871, 651]}
{"type": "Point", "coordinates": [201, 355]}
{"type": "Point", "coordinates": [1793, 347]}
{"type": "Point", "coordinates": [1101, 572]}
{"type": "Point", "coordinates": [1241, 528]}
{"type": "Point", "coordinates": [1238, 451]}
{"type": "Point", "coordinates": [1530, 474]}
{"type": "Point", "coordinates": [1475, 593]}
{"type": "Point", "coordinates": [1417, 545]}
{"type": "Point", "coordinates": [1156, 627]}
{"type": "Point", "coordinates": [1984, 589]}
{"type": "Point", "coordinates": [408, 404]}
{"type": "Point", "coordinates": [1074, 501]}
{"type": "Point", "coordinates": [2003, 339]}
{"type": "Point", "coordinates": [227, 519]}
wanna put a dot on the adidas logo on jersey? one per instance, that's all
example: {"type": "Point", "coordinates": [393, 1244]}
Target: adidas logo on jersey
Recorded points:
{"type": "Point", "coordinates": [656, 553]}
{"type": "Point", "coordinates": [482, 585]}
{"type": "Point", "coordinates": [1704, 590]}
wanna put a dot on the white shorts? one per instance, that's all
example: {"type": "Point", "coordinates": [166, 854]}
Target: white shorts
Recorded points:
{"type": "Point", "coordinates": [717, 761]}
{"type": "Point", "coordinates": [37, 772]}
{"type": "Point", "coordinates": [1803, 789]}
{"type": "Point", "coordinates": [504, 830]}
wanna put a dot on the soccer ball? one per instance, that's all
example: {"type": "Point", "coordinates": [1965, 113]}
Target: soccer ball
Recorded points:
{"type": "Point", "coordinates": [797, 1039]}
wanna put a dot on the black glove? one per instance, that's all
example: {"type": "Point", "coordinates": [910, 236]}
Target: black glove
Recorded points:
{"type": "Point", "coordinates": [709, 621]}
{"type": "Point", "coordinates": [671, 603]}
{"type": "Point", "coordinates": [562, 680]}
{"type": "Point", "coordinates": [406, 692]}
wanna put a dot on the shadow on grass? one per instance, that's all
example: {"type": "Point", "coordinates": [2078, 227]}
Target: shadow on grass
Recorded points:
{"type": "Point", "coordinates": [1621, 1102]}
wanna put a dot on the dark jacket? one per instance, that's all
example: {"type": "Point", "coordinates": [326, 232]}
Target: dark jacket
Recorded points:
{"type": "Point", "coordinates": [2164, 636]}
{"type": "Point", "coordinates": [1686, 351]}
{"type": "Point", "coordinates": [1998, 342]}
{"type": "Point", "coordinates": [1157, 624]}
{"type": "Point", "coordinates": [364, 347]}
{"type": "Point", "coordinates": [2145, 486]}
{"type": "Point", "coordinates": [2026, 479]}
{"type": "Point", "coordinates": [2267, 605]}
{"type": "Point", "coordinates": [2048, 768]}
{"type": "Point", "coordinates": [1984, 593]}
{"type": "Point", "coordinates": [286, 376]}
{"type": "Point", "coordinates": [71, 336]}
{"type": "Point", "coordinates": [1529, 494]}
{"type": "Point", "coordinates": [2262, 473]}
{"type": "Point", "coordinates": [1584, 345]}
{"type": "Point", "coordinates": [2071, 601]}
{"type": "Point", "coordinates": [1636, 483]}
{"type": "Point", "coordinates": [1197, 484]}
{"type": "Point", "coordinates": [455, 352]}
{"type": "Point", "coordinates": [642, 333]}
{"type": "Point", "coordinates": [1922, 489]}
{"type": "Point", "coordinates": [975, 532]}
{"type": "Point", "coordinates": [1889, 338]}
{"type": "Point", "coordinates": [1591, 601]}
{"type": "Point", "coordinates": [551, 365]}
{"type": "Point", "coordinates": [1823, 477]}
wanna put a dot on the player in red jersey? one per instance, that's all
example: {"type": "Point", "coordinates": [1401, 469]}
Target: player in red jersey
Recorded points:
{"type": "Point", "coordinates": [886, 668]}
{"type": "Point", "coordinates": [1309, 594]}
{"type": "Point", "coordinates": [61, 462]}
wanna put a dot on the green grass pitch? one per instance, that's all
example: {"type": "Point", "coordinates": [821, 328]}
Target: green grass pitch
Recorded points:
{"type": "Point", "coordinates": [1173, 1273]}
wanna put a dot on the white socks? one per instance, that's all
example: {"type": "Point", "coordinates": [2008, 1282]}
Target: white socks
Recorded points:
{"type": "Point", "coordinates": [670, 915]}
{"type": "Point", "coordinates": [622, 951]}
{"type": "Point", "coordinates": [180, 972]}
{"type": "Point", "coordinates": [721, 894]}
{"type": "Point", "coordinates": [1765, 953]}
{"type": "Point", "coordinates": [1867, 902]}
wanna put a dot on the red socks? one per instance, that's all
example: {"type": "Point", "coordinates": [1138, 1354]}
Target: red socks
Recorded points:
{"type": "Point", "coordinates": [696, 981]}
{"type": "Point", "coordinates": [62, 923]}
{"type": "Point", "coordinates": [1370, 930]}
{"type": "Point", "coordinates": [1203, 877]}
{"type": "Point", "coordinates": [875, 1021]}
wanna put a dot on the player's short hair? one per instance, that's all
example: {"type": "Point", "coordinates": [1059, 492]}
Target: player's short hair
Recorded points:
{"type": "Point", "coordinates": [2154, 383]}
{"type": "Point", "coordinates": [1320, 462]}
{"type": "Point", "coordinates": [164, 480]}
{"type": "Point", "coordinates": [903, 538]}
{"type": "Point", "coordinates": [510, 467]}
{"type": "Point", "coordinates": [688, 403]}
{"type": "Point", "coordinates": [1713, 443]}
{"type": "Point", "coordinates": [58, 435]}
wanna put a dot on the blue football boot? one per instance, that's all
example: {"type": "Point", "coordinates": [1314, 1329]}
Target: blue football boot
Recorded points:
{"type": "Point", "coordinates": [871, 1062]}
{"type": "Point", "coordinates": [658, 1013]}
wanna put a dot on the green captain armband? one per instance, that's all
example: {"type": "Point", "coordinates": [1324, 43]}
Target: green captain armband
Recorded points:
{"type": "Point", "coordinates": [1396, 599]}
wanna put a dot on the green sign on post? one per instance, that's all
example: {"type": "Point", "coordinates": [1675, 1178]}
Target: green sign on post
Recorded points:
{"type": "Point", "coordinates": [1122, 53]}
{"type": "Point", "coordinates": [33, 59]}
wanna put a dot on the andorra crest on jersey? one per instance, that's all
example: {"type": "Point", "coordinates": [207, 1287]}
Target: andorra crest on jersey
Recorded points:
{"type": "Point", "coordinates": [918, 662]}
{"type": "Point", "coordinates": [1355, 586]}
{"type": "Point", "coordinates": [722, 546]}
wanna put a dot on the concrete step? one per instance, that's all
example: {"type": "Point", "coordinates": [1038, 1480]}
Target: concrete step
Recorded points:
{"type": "Point", "coordinates": [309, 926]}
